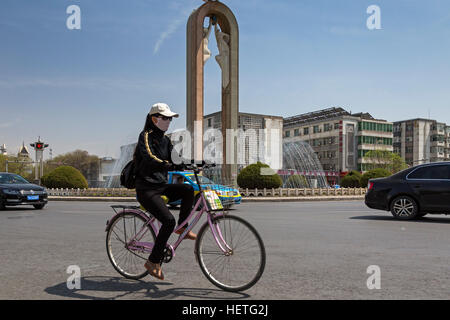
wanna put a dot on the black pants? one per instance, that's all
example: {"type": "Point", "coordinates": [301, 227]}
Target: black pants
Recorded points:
{"type": "Point", "coordinates": [151, 200]}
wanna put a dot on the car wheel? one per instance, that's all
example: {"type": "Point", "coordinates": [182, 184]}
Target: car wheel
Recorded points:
{"type": "Point", "coordinates": [38, 206]}
{"type": "Point", "coordinates": [404, 208]}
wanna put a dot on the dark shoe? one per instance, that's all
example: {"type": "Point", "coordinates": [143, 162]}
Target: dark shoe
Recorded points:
{"type": "Point", "coordinates": [190, 235]}
{"type": "Point", "coordinates": [154, 269]}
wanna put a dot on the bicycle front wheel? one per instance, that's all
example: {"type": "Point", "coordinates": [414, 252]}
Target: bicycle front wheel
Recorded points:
{"type": "Point", "coordinates": [128, 260]}
{"type": "Point", "coordinates": [240, 263]}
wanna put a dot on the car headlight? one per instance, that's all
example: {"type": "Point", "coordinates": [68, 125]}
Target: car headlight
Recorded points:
{"type": "Point", "coordinates": [10, 191]}
{"type": "Point", "coordinates": [221, 193]}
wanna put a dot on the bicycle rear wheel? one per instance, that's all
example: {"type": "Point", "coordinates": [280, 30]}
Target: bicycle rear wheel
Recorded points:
{"type": "Point", "coordinates": [239, 268]}
{"type": "Point", "coordinates": [128, 262]}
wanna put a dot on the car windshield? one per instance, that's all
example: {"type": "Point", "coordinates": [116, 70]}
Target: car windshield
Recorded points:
{"type": "Point", "coordinates": [202, 179]}
{"type": "Point", "coordinates": [11, 179]}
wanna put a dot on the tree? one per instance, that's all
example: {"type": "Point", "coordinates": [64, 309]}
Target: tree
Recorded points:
{"type": "Point", "coordinates": [385, 160]}
{"type": "Point", "coordinates": [374, 173]}
{"type": "Point", "coordinates": [354, 173]}
{"type": "Point", "coordinates": [24, 169]}
{"type": "Point", "coordinates": [351, 181]}
{"type": "Point", "coordinates": [251, 177]}
{"type": "Point", "coordinates": [3, 159]}
{"type": "Point", "coordinates": [87, 164]}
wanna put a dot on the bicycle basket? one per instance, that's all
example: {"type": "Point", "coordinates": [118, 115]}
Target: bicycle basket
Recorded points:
{"type": "Point", "coordinates": [220, 197]}
{"type": "Point", "coordinates": [212, 200]}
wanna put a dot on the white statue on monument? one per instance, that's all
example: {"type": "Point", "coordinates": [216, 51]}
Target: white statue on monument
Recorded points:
{"type": "Point", "coordinates": [223, 58]}
{"type": "Point", "coordinates": [206, 33]}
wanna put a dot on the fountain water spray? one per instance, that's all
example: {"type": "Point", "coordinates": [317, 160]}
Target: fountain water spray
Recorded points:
{"type": "Point", "coordinates": [301, 167]}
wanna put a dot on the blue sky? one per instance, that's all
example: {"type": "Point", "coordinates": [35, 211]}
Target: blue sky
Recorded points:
{"type": "Point", "coordinates": [91, 89]}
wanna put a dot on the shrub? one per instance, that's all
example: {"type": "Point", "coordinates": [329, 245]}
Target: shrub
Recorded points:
{"type": "Point", "coordinates": [64, 177]}
{"type": "Point", "coordinates": [250, 177]}
{"type": "Point", "coordinates": [296, 181]}
{"type": "Point", "coordinates": [350, 181]}
{"type": "Point", "coordinates": [355, 173]}
{"type": "Point", "coordinates": [374, 173]}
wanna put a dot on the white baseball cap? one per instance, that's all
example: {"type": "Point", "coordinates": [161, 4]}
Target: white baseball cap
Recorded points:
{"type": "Point", "coordinates": [162, 109]}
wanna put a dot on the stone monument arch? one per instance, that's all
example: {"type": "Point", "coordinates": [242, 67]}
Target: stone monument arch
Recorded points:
{"type": "Point", "coordinates": [227, 35]}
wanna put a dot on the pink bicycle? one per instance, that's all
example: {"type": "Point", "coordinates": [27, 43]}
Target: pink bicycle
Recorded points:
{"type": "Point", "coordinates": [229, 250]}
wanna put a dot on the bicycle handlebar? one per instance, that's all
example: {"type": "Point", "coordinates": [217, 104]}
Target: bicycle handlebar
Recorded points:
{"type": "Point", "coordinates": [196, 166]}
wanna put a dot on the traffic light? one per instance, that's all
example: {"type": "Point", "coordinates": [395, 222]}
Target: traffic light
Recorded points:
{"type": "Point", "coordinates": [39, 145]}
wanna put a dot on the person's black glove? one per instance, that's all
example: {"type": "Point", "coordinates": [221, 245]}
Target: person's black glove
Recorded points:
{"type": "Point", "coordinates": [199, 164]}
{"type": "Point", "coordinates": [168, 166]}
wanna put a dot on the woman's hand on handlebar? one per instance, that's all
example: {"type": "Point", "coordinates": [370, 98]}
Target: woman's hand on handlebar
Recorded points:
{"type": "Point", "coordinates": [191, 166]}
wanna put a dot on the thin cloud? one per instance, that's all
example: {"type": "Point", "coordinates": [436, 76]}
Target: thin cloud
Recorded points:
{"type": "Point", "coordinates": [175, 24]}
{"type": "Point", "coordinates": [166, 34]}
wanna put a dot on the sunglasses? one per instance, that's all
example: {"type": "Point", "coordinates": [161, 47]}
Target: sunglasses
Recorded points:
{"type": "Point", "coordinates": [165, 118]}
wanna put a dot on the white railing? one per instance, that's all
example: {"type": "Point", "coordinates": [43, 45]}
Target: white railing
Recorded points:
{"type": "Point", "coordinates": [288, 192]}
{"type": "Point", "coordinates": [92, 192]}
{"type": "Point", "coordinates": [245, 192]}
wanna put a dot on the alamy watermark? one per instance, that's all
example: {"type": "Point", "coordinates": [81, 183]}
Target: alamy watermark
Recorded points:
{"type": "Point", "coordinates": [73, 22]}
{"type": "Point", "coordinates": [74, 280]}
{"type": "Point", "coordinates": [374, 20]}
{"type": "Point", "coordinates": [242, 146]}
{"type": "Point", "coordinates": [374, 281]}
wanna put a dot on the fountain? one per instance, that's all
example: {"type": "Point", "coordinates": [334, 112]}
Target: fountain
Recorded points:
{"type": "Point", "coordinates": [126, 154]}
{"type": "Point", "coordinates": [301, 167]}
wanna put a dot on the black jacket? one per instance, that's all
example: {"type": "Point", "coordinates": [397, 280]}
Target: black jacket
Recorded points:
{"type": "Point", "coordinates": [152, 159]}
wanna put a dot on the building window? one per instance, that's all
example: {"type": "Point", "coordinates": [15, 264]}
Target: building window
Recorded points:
{"type": "Point", "coordinates": [287, 134]}
{"type": "Point", "coordinates": [209, 123]}
{"type": "Point", "coordinates": [316, 129]}
{"type": "Point", "coordinates": [306, 131]}
{"type": "Point", "coordinates": [373, 126]}
{"type": "Point", "coordinates": [296, 132]}
{"type": "Point", "coordinates": [336, 126]}
{"type": "Point", "coordinates": [374, 140]}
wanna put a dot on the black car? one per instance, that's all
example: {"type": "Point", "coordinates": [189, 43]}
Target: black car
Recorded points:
{"type": "Point", "coordinates": [15, 190]}
{"type": "Point", "coordinates": [412, 193]}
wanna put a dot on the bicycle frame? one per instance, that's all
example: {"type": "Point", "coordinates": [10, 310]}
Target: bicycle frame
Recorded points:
{"type": "Point", "coordinates": [146, 247]}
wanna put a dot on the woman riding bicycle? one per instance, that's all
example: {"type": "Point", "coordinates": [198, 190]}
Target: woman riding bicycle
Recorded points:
{"type": "Point", "coordinates": [153, 161]}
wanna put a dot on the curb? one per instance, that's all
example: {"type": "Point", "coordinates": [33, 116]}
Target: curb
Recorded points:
{"type": "Point", "coordinates": [246, 199]}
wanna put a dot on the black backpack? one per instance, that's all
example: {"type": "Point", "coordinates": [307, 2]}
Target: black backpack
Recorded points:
{"type": "Point", "coordinates": [128, 174]}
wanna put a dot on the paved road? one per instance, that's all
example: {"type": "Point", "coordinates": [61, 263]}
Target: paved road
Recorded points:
{"type": "Point", "coordinates": [315, 250]}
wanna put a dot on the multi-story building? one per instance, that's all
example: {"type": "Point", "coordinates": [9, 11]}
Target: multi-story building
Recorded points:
{"type": "Point", "coordinates": [422, 140]}
{"type": "Point", "coordinates": [339, 139]}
